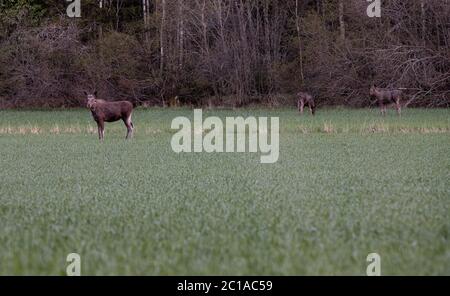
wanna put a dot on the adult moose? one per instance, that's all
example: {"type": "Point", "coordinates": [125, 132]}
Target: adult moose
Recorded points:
{"type": "Point", "coordinates": [387, 97]}
{"type": "Point", "coordinates": [305, 99]}
{"type": "Point", "coordinates": [104, 111]}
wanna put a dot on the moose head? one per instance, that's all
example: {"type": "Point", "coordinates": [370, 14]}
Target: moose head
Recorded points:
{"type": "Point", "coordinates": [91, 99]}
{"type": "Point", "coordinates": [373, 90]}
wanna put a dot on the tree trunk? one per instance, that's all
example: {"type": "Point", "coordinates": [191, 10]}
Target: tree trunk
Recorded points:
{"type": "Point", "coordinates": [161, 36]}
{"type": "Point", "coordinates": [118, 6]}
{"type": "Point", "coordinates": [181, 34]}
{"type": "Point", "coordinates": [423, 15]}
{"type": "Point", "coordinates": [144, 11]}
{"type": "Point", "coordinates": [341, 20]}
{"type": "Point", "coordinates": [146, 14]}
{"type": "Point", "coordinates": [100, 27]}
{"type": "Point", "coordinates": [300, 50]}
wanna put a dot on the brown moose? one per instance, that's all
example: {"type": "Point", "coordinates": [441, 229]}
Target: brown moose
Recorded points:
{"type": "Point", "coordinates": [104, 111]}
{"type": "Point", "coordinates": [305, 99]}
{"type": "Point", "coordinates": [387, 97]}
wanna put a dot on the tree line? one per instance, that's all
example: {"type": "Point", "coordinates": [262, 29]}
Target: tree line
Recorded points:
{"type": "Point", "coordinates": [223, 52]}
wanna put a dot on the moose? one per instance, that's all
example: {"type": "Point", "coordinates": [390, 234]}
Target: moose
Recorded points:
{"type": "Point", "coordinates": [306, 99]}
{"type": "Point", "coordinates": [385, 97]}
{"type": "Point", "coordinates": [104, 111]}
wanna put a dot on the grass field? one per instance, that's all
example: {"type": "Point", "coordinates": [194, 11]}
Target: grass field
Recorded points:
{"type": "Point", "coordinates": [347, 183]}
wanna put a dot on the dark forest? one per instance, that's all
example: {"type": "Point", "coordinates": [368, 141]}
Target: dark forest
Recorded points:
{"type": "Point", "coordinates": [223, 52]}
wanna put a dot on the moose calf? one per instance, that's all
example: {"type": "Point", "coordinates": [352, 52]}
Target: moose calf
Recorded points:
{"type": "Point", "coordinates": [104, 111]}
{"type": "Point", "coordinates": [306, 99]}
{"type": "Point", "coordinates": [387, 97]}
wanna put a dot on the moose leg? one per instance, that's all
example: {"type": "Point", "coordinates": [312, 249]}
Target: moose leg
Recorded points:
{"type": "Point", "coordinates": [101, 130]}
{"type": "Point", "coordinates": [301, 106]}
{"type": "Point", "coordinates": [399, 107]}
{"type": "Point", "coordinates": [383, 109]}
{"type": "Point", "coordinates": [311, 109]}
{"type": "Point", "coordinates": [129, 125]}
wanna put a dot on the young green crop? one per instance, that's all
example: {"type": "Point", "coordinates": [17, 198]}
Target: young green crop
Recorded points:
{"type": "Point", "coordinates": [347, 183]}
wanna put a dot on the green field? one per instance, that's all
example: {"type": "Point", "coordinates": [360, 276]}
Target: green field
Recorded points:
{"type": "Point", "coordinates": [347, 183]}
